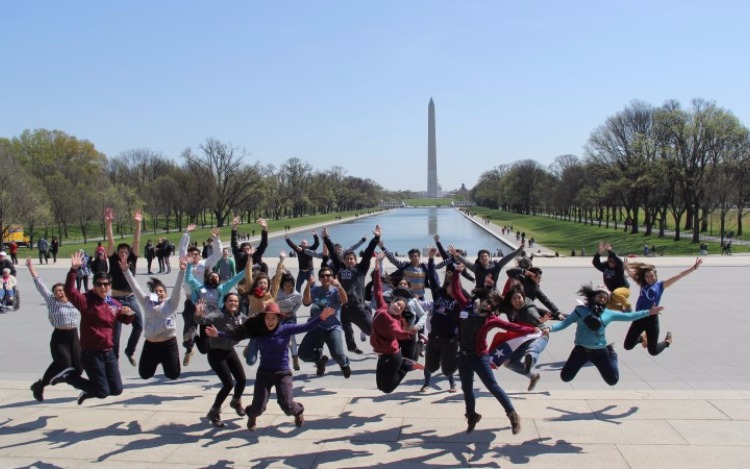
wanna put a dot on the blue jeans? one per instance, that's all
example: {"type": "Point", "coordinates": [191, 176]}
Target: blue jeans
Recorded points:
{"type": "Point", "coordinates": [470, 364]}
{"type": "Point", "coordinates": [532, 347]}
{"type": "Point", "coordinates": [604, 359]}
{"type": "Point", "coordinates": [103, 373]}
{"type": "Point", "coordinates": [302, 277]}
{"type": "Point", "coordinates": [135, 333]}
{"type": "Point", "coordinates": [311, 348]}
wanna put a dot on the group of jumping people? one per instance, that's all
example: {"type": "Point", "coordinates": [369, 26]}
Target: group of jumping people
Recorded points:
{"type": "Point", "coordinates": [451, 329]}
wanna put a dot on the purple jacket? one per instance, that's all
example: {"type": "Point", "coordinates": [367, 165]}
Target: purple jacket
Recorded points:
{"type": "Point", "coordinates": [274, 355]}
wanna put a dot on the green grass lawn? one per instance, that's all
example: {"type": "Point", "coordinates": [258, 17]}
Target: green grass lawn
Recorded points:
{"type": "Point", "coordinates": [428, 202]}
{"type": "Point", "coordinates": [564, 236]}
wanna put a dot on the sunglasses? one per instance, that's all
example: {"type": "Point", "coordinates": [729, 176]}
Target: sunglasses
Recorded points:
{"type": "Point", "coordinates": [102, 284]}
{"type": "Point", "coordinates": [325, 275]}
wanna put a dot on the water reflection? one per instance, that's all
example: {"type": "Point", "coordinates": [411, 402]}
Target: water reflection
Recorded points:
{"type": "Point", "coordinates": [407, 228]}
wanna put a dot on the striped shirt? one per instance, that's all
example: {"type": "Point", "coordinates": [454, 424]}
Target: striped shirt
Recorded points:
{"type": "Point", "coordinates": [61, 315]}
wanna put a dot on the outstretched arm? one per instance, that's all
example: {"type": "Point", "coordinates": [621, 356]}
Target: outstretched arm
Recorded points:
{"type": "Point", "coordinates": [671, 281]}
{"type": "Point", "coordinates": [109, 217]}
{"type": "Point", "coordinates": [138, 218]}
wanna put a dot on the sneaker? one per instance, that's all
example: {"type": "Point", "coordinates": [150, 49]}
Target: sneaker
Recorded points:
{"type": "Point", "coordinates": [82, 397]}
{"type": "Point", "coordinates": [452, 389]}
{"type": "Point", "coordinates": [533, 380]}
{"type": "Point", "coordinates": [410, 365]}
{"type": "Point", "coordinates": [473, 421]}
{"type": "Point", "coordinates": [347, 371]}
{"type": "Point", "coordinates": [37, 389]}
{"type": "Point", "coordinates": [424, 388]}
{"type": "Point", "coordinates": [668, 339]}
{"type": "Point", "coordinates": [251, 423]}
{"type": "Point", "coordinates": [362, 337]}
{"type": "Point", "coordinates": [214, 416]}
{"type": "Point", "coordinates": [131, 359]}
{"type": "Point", "coordinates": [236, 404]}
{"type": "Point", "coordinates": [515, 421]}
{"type": "Point", "coordinates": [188, 357]}
{"type": "Point", "coordinates": [299, 420]}
{"type": "Point", "coordinates": [295, 362]}
{"type": "Point", "coordinates": [528, 364]}
{"type": "Point", "coordinates": [321, 366]}
{"type": "Point", "coordinates": [62, 376]}
{"type": "Point", "coordinates": [357, 350]}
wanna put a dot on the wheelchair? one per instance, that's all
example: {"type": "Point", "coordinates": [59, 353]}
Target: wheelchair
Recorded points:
{"type": "Point", "coordinates": [9, 300]}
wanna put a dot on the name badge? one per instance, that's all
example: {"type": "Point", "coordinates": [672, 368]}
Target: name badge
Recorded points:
{"type": "Point", "coordinates": [463, 314]}
{"type": "Point", "coordinates": [154, 297]}
{"type": "Point", "coordinates": [169, 322]}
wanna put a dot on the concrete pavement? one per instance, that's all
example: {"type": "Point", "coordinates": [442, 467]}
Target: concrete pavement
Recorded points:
{"type": "Point", "coordinates": [688, 407]}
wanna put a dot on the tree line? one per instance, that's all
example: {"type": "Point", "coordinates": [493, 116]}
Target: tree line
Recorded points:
{"type": "Point", "coordinates": [52, 179]}
{"type": "Point", "coordinates": [643, 166]}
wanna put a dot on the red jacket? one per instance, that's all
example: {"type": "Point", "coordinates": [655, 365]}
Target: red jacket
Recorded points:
{"type": "Point", "coordinates": [98, 316]}
{"type": "Point", "coordinates": [387, 330]}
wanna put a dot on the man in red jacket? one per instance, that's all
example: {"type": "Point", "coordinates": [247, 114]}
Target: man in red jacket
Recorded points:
{"type": "Point", "coordinates": [99, 314]}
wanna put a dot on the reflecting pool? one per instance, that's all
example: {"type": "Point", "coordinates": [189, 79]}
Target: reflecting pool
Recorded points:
{"type": "Point", "coordinates": [407, 228]}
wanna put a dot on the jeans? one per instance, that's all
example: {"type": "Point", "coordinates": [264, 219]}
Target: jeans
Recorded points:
{"type": "Point", "coordinates": [604, 359]}
{"type": "Point", "coordinates": [470, 364]}
{"type": "Point", "coordinates": [103, 373]}
{"type": "Point", "coordinates": [532, 347]}
{"type": "Point", "coordinates": [304, 275]}
{"type": "Point", "coordinates": [311, 348]}
{"type": "Point", "coordinates": [135, 333]}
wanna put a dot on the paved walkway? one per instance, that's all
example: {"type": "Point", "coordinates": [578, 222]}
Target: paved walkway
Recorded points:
{"type": "Point", "coordinates": [688, 407]}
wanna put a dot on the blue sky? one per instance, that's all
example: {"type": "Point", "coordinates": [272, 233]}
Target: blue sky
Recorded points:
{"type": "Point", "coordinates": [347, 83]}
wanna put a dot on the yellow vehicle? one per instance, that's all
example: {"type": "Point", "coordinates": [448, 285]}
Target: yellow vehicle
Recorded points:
{"type": "Point", "coordinates": [15, 233]}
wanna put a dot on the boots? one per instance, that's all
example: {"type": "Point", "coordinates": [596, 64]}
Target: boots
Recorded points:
{"type": "Point", "coordinates": [295, 362]}
{"type": "Point", "coordinates": [473, 420]}
{"type": "Point", "coordinates": [236, 404]}
{"type": "Point", "coordinates": [214, 416]}
{"type": "Point", "coordinates": [515, 421]}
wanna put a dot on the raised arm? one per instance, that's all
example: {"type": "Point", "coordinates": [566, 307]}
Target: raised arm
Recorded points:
{"type": "Point", "coordinates": [138, 218]}
{"type": "Point", "coordinates": [364, 263]}
{"type": "Point", "coordinates": [216, 249]}
{"type": "Point", "coordinates": [276, 281]}
{"type": "Point", "coordinates": [109, 217]}
{"type": "Point", "coordinates": [38, 283]}
{"type": "Point", "coordinates": [338, 262]}
{"type": "Point", "coordinates": [261, 249]}
{"type": "Point", "coordinates": [671, 281]}
{"type": "Point", "coordinates": [185, 240]}
{"type": "Point", "coordinates": [174, 298]}
{"type": "Point", "coordinates": [377, 287]}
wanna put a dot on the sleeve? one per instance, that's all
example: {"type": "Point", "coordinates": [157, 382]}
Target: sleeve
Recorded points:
{"type": "Point", "coordinates": [316, 242]}
{"type": "Point", "coordinates": [190, 278]}
{"type": "Point", "coordinates": [235, 246]}
{"type": "Point", "coordinates": [276, 281]}
{"type": "Point", "coordinates": [364, 263]}
{"type": "Point", "coordinates": [75, 297]}
{"type": "Point", "coordinates": [546, 301]}
{"type": "Point", "coordinates": [469, 265]}
{"type": "Point", "coordinates": [140, 296]}
{"type": "Point", "coordinates": [216, 254]}
{"type": "Point", "coordinates": [377, 292]}
{"type": "Point", "coordinates": [335, 257]}
{"type": "Point", "coordinates": [291, 244]}
{"type": "Point", "coordinates": [566, 322]}
{"type": "Point", "coordinates": [356, 245]}
{"type": "Point", "coordinates": [174, 299]}
{"type": "Point", "coordinates": [261, 249]}
{"type": "Point", "coordinates": [434, 281]}
{"type": "Point", "coordinates": [42, 289]}
{"type": "Point", "coordinates": [184, 243]}
{"type": "Point", "coordinates": [458, 292]}
{"type": "Point", "coordinates": [626, 317]}
{"type": "Point", "coordinates": [313, 253]}
{"type": "Point", "coordinates": [514, 273]}
{"type": "Point", "coordinates": [597, 262]}
{"type": "Point", "coordinates": [393, 260]}
{"type": "Point", "coordinates": [416, 307]}
{"type": "Point", "coordinates": [229, 284]}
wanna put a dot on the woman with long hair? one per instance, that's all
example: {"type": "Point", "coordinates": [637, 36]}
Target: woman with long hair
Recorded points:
{"type": "Point", "coordinates": [591, 322]}
{"type": "Point", "coordinates": [290, 301]}
{"type": "Point", "coordinates": [221, 355]}
{"type": "Point", "coordinates": [646, 330]}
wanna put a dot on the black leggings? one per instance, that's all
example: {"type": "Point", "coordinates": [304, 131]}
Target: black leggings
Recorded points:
{"type": "Point", "coordinates": [66, 353]}
{"type": "Point", "coordinates": [165, 353]}
{"type": "Point", "coordinates": [226, 364]}
{"type": "Point", "coordinates": [389, 372]}
{"type": "Point", "coordinates": [649, 324]}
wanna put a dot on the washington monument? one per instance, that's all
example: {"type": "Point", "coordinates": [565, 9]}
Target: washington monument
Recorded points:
{"type": "Point", "coordinates": [432, 183]}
